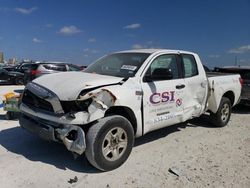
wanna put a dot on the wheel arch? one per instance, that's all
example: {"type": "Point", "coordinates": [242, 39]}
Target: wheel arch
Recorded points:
{"type": "Point", "coordinates": [125, 112]}
{"type": "Point", "coordinates": [231, 96]}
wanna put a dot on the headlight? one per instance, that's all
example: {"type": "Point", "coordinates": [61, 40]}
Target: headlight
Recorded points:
{"type": "Point", "coordinates": [76, 106]}
{"type": "Point", "coordinates": [83, 105]}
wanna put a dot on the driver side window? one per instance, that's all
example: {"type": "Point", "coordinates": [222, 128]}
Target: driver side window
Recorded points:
{"type": "Point", "coordinates": [164, 62]}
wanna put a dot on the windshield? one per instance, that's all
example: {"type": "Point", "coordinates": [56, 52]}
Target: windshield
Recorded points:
{"type": "Point", "coordinates": [119, 64]}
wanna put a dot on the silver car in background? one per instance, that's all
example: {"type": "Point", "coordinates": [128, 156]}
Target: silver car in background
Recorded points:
{"type": "Point", "coordinates": [42, 68]}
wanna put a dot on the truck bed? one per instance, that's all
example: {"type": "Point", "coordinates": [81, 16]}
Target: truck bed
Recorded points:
{"type": "Point", "coordinates": [213, 74]}
{"type": "Point", "coordinates": [219, 84]}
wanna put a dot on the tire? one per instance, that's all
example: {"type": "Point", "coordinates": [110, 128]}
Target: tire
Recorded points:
{"type": "Point", "coordinates": [223, 114]}
{"type": "Point", "coordinates": [109, 142]}
{"type": "Point", "coordinates": [9, 115]}
{"type": "Point", "coordinates": [19, 81]}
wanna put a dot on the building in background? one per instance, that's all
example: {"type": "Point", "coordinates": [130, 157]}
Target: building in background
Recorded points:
{"type": "Point", "coordinates": [12, 61]}
{"type": "Point", "coordinates": [1, 57]}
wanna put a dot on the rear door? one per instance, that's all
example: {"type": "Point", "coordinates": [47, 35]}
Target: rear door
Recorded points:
{"type": "Point", "coordinates": [196, 83]}
{"type": "Point", "coordinates": [24, 68]}
{"type": "Point", "coordinates": [162, 99]}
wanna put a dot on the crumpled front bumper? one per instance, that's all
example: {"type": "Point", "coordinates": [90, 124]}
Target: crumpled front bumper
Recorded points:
{"type": "Point", "coordinates": [72, 136]}
{"type": "Point", "coordinates": [37, 127]}
{"type": "Point", "coordinates": [42, 113]}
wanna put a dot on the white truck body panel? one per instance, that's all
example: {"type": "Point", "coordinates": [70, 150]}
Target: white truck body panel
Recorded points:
{"type": "Point", "coordinates": [219, 85]}
{"type": "Point", "coordinates": [154, 104]}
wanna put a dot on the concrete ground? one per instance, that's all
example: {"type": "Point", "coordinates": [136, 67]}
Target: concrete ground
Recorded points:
{"type": "Point", "coordinates": [201, 156]}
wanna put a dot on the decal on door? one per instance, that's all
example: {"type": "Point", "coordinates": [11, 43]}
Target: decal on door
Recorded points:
{"type": "Point", "coordinates": [163, 118]}
{"type": "Point", "coordinates": [161, 109]}
{"type": "Point", "coordinates": [165, 97]}
{"type": "Point", "coordinates": [178, 102]}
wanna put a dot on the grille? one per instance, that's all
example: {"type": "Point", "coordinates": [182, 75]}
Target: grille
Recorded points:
{"type": "Point", "coordinates": [32, 100]}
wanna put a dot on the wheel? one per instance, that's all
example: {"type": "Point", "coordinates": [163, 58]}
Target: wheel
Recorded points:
{"type": "Point", "coordinates": [109, 142]}
{"type": "Point", "coordinates": [222, 116]}
{"type": "Point", "coordinates": [19, 81]}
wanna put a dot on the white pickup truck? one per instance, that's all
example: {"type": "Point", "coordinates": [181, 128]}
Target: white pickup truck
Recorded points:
{"type": "Point", "coordinates": [123, 96]}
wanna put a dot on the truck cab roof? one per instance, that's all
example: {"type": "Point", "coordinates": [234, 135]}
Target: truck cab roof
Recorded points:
{"type": "Point", "coordinates": [152, 51]}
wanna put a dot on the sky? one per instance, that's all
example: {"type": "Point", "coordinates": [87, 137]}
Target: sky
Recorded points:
{"type": "Point", "coordinates": [80, 31]}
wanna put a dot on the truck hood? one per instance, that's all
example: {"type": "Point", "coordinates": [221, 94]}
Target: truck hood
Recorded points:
{"type": "Point", "coordinates": [68, 85]}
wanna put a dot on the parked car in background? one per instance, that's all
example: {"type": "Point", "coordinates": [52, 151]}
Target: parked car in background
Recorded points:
{"type": "Point", "coordinates": [41, 68]}
{"type": "Point", "coordinates": [20, 67]}
{"type": "Point", "coordinates": [244, 72]}
{"type": "Point", "coordinates": [11, 77]}
{"type": "Point", "coordinates": [8, 67]}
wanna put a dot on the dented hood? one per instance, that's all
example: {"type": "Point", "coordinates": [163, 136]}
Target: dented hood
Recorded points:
{"type": "Point", "coordinates": [68, 85]}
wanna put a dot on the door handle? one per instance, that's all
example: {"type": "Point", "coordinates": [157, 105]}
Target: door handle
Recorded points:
{"type": "Point", "coordinates": [180, 86]}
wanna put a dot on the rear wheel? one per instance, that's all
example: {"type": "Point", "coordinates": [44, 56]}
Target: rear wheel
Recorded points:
{"type": "Point", "coordinates": [19, 81]}
{"type": "Point", "coordinates": [109, 142]}
{"type": "Point", "coordinates": [222, 116]}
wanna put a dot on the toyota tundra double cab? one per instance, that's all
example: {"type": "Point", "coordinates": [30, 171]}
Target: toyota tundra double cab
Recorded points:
{"type": "Point", "coordinates": [123, 96]}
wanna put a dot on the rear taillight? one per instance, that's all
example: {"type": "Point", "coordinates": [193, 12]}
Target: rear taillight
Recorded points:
{"type": "Point", "coordinates": [241, 81]}
{"type": "Point", "coordinates": [35, 72]}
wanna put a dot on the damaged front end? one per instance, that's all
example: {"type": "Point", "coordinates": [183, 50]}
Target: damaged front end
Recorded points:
{"type": "Point", "coordinates": [73, 138]}
{"type": "Point", "coordinates": [101, 100]}
{"type": "Point", "coordinates": [44, 114]}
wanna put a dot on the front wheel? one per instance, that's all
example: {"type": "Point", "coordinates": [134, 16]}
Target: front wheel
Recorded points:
{"type": "Point", "coordinates": [222, 116]}
{"type": "Point", "coordinates": [109, 142]}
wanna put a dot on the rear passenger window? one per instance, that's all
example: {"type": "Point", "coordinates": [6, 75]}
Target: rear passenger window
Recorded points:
{"type": "Point", "coordinates": [55, 67]}
{"type": "Point", "coordinates": [34, 66]}
{"type": "Point", "coordinates": [26, 66]}
{"type": "Point", "coordinates": [190, 66]}
{"type": "Point", "coordinates": [73, 68]}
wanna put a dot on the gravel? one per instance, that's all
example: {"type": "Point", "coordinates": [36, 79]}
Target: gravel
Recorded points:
{"type": "Point", "coordinates": [203, 156]}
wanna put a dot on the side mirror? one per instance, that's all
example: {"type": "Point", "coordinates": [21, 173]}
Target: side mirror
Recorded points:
{"type": "Point", "coordinates": [147, 78]}
{"type": "Point", "coordinates": [159, 74]}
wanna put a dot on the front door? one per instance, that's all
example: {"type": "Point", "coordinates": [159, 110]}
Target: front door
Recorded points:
{"type": "Point", "coordinates": [162, 99]}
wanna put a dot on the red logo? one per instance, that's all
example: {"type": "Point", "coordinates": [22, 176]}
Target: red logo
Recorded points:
{"type": "Point", "coordinates": [178, 102]}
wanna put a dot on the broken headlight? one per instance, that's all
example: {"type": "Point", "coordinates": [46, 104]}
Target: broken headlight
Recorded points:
{"type": "Point", "coordinates": [83, 105]}
{"type": "Point", "coordinates": [76, 106]}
